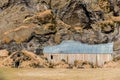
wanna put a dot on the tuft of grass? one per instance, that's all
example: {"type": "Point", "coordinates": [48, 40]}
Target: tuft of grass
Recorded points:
{"type": "Point", "coordinates": [2, 76]}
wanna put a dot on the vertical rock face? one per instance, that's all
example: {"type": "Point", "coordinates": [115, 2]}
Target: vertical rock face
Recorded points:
{"type": "Point", "coordinates": [25, 23]}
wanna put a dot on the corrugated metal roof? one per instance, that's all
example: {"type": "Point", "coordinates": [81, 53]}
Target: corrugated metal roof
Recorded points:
{"type": "Point", "coordinates": [77, 47]}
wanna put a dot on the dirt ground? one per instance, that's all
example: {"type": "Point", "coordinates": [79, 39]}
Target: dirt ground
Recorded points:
{"type": "Point", "coordinates": [60, 74]}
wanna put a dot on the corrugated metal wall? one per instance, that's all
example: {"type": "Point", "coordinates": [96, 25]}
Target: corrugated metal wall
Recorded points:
{"type": "Point", "coordinates": [98, 59]}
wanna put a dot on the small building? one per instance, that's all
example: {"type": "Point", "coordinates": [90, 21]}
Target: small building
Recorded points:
{"type": "Point", "coordinates": [72, 50]}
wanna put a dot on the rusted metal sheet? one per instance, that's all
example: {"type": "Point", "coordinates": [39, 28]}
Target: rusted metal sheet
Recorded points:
{"type": "Point", "coordinates": [98, 59]}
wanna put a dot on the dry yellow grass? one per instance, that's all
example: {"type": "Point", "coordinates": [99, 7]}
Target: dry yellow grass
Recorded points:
{"type": "Point", "coordinates": [61, 74]}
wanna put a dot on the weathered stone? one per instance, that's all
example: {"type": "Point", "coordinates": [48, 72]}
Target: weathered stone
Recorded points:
{"type": "Point", "coordinates": [4, 53]}
{"type": "Point", "coordinates": [117, 45]}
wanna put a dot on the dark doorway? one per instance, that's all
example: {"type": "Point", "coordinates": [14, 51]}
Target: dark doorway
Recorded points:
{"type": "Point", "coordinates": [51, 56]}
{"type": "Point", "coordinates": [17, 63]}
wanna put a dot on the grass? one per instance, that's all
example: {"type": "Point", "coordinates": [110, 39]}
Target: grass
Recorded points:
{"type": "Point", "coordinates": [59, 74]}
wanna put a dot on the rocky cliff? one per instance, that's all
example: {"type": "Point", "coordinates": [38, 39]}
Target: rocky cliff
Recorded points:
{"type": "Point", "coordinates": [34, 24]}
